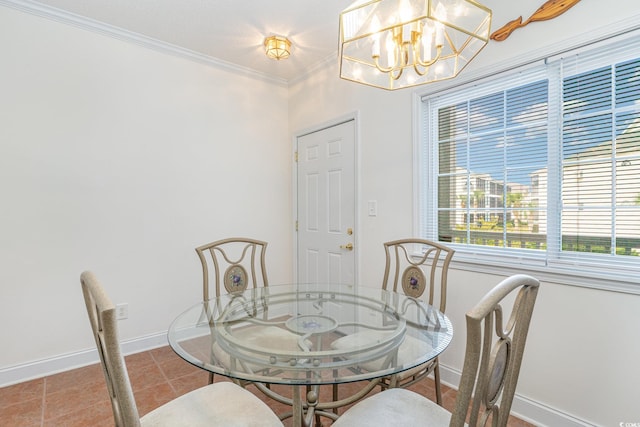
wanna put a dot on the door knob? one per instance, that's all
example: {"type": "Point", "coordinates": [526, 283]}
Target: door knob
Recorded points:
{"type": "Point", "coordinates": [348, 246]}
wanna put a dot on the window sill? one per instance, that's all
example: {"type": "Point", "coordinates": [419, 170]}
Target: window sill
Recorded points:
{"type": "Point", "coordinates": [587, 278]}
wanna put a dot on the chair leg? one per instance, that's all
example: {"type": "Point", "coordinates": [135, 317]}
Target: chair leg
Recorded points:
{"type": "Point", "coordinates": [334, 394]}
{"type": "Point", "coordinates": [393, 382]}
{"type": "Point", "coordinates": [436, 377]}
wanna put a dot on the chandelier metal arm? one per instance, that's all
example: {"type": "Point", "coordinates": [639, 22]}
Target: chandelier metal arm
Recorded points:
{"type": "Point", "coordinates": [396, 76]}
{"type": "Point", "coordinates": [389, 70]}
{"type": "Point", "coordinates": [376, 60]}
{"type": "Point", "coordinates": [425, 64]}
{"type": "Point", "coordinates": [404, 60]}
{"type": "Point", "coordinates": [400, 60]}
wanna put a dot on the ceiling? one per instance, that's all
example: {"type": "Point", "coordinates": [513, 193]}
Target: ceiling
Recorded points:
{"type": "Point", "coordinates": [228, 30]}
{"type": "Point", "coordinates": [233, 31]}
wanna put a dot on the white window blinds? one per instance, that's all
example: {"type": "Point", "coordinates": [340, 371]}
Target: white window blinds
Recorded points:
{"type": "Point", "coordinates": [600, 134]}
{"type": "Point", "coordinates": [541, 165]}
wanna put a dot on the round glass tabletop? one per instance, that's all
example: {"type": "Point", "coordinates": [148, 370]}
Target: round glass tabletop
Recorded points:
{"type": "Point", "coordinates": [310, 334]}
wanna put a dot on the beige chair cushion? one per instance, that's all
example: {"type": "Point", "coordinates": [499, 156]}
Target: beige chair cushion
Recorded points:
{"type": "Point", "coordinates": [221, 404]}
{"type": "Point", "coordinates": [395, 407]}
{"type": "Point", "coordinates": [410, 349]}
{"type": "Point", "coordinates": [269, 338]}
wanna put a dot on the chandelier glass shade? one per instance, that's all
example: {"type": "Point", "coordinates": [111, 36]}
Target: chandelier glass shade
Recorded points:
{"type": "Point", "coordinates": [392, 44]}
{"type": "Point", "coordinates": [277, 47]}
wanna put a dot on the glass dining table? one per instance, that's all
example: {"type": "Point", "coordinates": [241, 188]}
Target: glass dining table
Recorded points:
{"type": "Point", "coordinates": [308, 335]}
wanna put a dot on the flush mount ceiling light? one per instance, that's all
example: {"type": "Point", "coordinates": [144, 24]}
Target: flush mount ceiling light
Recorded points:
{"type": "Point", "coordinates": [277, 47]}
{"type": "Point", "coordinates": [393, 44]}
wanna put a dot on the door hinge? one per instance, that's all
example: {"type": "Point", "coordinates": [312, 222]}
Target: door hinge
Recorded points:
{"type": "Point", "coordinates": [296, 225]}
{"type": "Point", "coordinates": [295, 155]}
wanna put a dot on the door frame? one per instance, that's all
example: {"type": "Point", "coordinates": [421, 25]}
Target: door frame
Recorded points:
{"type": "Point", "coordinates": [355, 116]}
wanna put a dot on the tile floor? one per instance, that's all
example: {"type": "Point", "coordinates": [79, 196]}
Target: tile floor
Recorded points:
{"type": "Point", "coordinates": [79, 397]}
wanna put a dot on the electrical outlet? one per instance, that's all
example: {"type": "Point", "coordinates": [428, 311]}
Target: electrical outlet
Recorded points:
{"type": "Point", "coordinates": [122, 311]}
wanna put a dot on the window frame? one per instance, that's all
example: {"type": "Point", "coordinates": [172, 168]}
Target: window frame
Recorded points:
{"type": "Point", "coordinates": [622, 277]}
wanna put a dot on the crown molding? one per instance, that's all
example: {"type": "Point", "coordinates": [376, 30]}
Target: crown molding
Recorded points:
{"type": "Point", "coordinates": [72, 19]}
{"type": "Point", "coordinates": [327, 61]}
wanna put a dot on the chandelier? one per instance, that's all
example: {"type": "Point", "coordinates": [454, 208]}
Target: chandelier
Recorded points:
{"type": "Point", "coordinates": [392, 44]}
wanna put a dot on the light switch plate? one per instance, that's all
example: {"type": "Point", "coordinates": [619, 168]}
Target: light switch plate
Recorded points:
{"type": "Point", "coordinates": [372, 207]}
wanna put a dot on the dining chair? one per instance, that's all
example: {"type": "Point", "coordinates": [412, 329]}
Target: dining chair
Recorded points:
{"type": "Point", "coordinates": [237, 263]}
{"type": "Point", "coordinates": [418, 268]}
{"type": "Point", "coordinates": [222, 404]}
{"type": "Point", "coordinates": [233, 265]}
{"type": "Point", "coordinates": [490, 372]}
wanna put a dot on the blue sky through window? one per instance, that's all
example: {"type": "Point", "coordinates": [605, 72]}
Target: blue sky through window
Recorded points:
{"type": "Point", "coordinates": [502, 133]}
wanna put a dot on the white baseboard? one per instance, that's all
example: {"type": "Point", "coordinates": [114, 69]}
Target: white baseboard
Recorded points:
{"type": "Point", "coordinates": [524, 408]}
{"type": "Point", "coordinates": [40, 368]}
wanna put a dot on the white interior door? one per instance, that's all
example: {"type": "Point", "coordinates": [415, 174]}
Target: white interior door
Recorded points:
{"type": "Point", "coordinates": [326, 205]}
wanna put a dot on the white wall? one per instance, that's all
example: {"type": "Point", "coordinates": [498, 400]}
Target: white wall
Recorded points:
{"type": "Point", "coordinates": [122, 160]}
{"type": "Point", "coordinates": [581, 360]}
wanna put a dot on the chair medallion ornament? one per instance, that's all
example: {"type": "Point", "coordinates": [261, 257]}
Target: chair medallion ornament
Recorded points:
{"type": "Point", "coordinates": [413, 282]}
{"type": "Point", "coordinates": [235, 279]}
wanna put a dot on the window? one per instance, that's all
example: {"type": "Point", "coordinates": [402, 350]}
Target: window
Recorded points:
{"type": "Point", "coordinates": [541, 166]}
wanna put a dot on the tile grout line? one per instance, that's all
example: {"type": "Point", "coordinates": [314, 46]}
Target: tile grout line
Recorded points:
{"type": "Point", "coordinates": [44, 400]}
{"type": "Point", "coordinates": [166, 378]}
